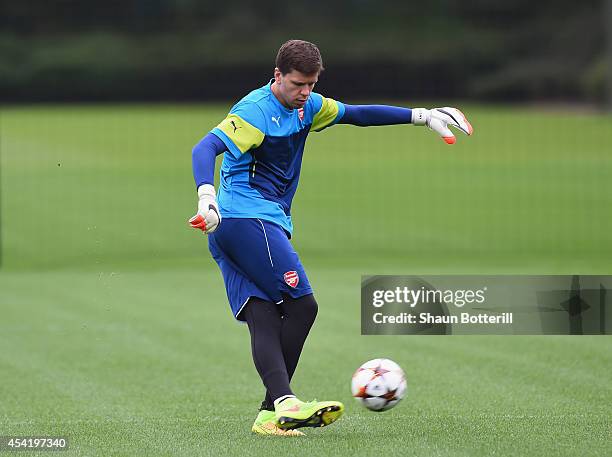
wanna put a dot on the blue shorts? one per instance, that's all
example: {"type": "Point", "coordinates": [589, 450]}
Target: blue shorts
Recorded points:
{"type": "Point", "coordinates": [256, 260]}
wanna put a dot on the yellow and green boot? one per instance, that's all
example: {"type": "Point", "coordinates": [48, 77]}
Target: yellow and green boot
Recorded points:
{"type": "Point", "coordinates": [266, 424]}
{"type": "Point", "coordinates": [292, 413]}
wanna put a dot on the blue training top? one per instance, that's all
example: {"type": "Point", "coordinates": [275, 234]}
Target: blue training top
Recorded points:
{"type": "Point", "coordinates": [265, 142]}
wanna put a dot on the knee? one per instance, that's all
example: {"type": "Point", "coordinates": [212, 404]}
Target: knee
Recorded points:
{"type": "Point", "coordinates": [310, 306]}
{"type": "Point", "coordinates": [304, 308]}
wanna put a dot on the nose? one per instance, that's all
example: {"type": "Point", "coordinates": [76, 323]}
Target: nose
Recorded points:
{"type": "Point", "coordinates": [305, 92]}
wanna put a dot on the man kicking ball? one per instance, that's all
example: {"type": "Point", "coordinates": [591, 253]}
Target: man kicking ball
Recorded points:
{"type": "Point", "coordinates": [263, 139]}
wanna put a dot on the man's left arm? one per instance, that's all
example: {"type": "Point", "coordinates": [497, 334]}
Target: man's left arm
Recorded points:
{"type": "Point", "coordinates": [438, 119]}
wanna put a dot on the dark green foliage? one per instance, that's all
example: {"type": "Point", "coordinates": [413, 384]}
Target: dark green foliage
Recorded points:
{"type": "Point", "coordinates": [166, 49]}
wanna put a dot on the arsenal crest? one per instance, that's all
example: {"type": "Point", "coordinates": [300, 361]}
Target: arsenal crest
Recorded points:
{"type": "Point", "coordinates": [301, 114]}
{"type": "Point", "coordinates": [292, 279]}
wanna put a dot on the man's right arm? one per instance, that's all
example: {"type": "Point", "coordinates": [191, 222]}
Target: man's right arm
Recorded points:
{"type": "Point", "coordinates": [203, 158]}
{"type": "Point", "coordinates": [242, 130]}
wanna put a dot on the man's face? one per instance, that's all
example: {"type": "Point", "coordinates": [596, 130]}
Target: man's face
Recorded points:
{"type": "Point", "coordinates": [294, 88]}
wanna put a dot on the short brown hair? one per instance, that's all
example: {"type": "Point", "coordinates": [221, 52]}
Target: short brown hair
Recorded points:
{"type": "Point", "coordinates": [299, 55]}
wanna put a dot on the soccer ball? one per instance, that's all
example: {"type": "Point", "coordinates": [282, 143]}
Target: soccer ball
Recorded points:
{"type": "Point", "coordinates": [379, 384]}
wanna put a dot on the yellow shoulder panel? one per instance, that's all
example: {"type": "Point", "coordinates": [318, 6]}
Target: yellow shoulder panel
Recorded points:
{"type": "Point", "coordinates": [326, 115]}
{"type": "Point", "coordinates": [244, 135]}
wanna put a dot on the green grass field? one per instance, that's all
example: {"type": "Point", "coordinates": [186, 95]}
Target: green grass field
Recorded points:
{"type": "Point", "coordinates": [114, 326]}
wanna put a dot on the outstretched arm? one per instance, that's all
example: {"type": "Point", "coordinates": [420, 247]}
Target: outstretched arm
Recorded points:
{"type": "Point", "coordinates": [369, 115]}
{"type": "Point", "coordinates": [437, 119]}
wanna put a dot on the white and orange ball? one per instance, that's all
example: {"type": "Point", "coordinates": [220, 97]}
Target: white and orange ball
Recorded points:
{"type": "Point", "coordinates": [379, 384]}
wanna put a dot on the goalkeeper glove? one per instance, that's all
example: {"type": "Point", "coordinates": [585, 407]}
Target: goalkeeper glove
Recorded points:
{"type": "Point", "coordinates": [439, 119]}
{"type": "Point", "coordinates": [208, 216]}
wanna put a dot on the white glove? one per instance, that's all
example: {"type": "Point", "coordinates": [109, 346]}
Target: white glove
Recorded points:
{"type": "Point", "coordinates": [438, 120]}
{"type": "Point", "coordinates": [208, 216]}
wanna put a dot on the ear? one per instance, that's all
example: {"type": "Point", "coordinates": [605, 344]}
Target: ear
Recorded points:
{"type": "Point", "coordinates": [277, 75]}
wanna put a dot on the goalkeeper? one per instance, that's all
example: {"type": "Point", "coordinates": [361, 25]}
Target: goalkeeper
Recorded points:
{"type": "Point", "coordinates": [249, 225]}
